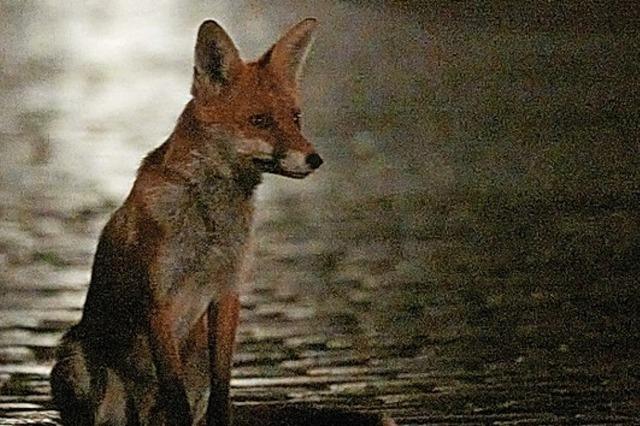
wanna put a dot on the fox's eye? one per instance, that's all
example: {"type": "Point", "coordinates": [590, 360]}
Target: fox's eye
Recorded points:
{"type": "Point", "coordinates": [262, 121]}
{"type": "Point", "coordinates": [296, 118]}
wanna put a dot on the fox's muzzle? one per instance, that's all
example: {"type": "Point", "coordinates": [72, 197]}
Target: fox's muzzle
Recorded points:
{"type": "Point", "coordinates": [292, 164]}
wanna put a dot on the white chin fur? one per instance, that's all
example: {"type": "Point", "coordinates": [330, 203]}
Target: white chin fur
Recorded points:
{"type": "Point", "coordinates": [295, 162]}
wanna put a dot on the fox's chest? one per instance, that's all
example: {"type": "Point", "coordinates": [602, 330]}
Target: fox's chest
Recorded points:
{"type": "Point", "coordinates": [205, 233]}
{"type": "Point", "coordinates": [201, 259]}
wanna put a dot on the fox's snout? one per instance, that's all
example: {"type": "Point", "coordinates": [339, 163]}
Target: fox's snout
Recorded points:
{"type": "Point", "coordinates": [291, 162]}
{"type": "Point", "coordinates": [295, 164]}
{"type": "Point", "coordinates": [294, 155]}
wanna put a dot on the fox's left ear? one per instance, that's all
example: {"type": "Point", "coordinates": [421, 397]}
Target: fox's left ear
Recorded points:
{"type": "Point", "coordinates": [287, 56]}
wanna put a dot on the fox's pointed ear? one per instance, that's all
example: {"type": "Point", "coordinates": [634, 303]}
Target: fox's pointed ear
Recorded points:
{"type": "Point", "coordinates": [216, 58]}
{"type": "Point", "coordinates": [287, 56]}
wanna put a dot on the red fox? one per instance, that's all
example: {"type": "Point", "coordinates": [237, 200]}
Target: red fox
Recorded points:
{"type": "Point", "coordinates": [155, 341]}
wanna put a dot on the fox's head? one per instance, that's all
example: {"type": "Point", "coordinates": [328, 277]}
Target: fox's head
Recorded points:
{"type": "Point", "coordinates": [257, 102]}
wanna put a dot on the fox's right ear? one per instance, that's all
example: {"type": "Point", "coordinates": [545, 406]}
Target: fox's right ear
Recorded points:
{"type": "Point", "coordinates": [216, 59]}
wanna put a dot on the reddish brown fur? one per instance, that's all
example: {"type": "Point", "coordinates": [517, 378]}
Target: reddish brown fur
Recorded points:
{"type": "Point", "coordinates": [222, 324]}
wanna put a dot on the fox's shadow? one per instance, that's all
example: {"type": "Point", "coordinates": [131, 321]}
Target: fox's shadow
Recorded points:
{"type": "Point", "coordinates": [303, 415]}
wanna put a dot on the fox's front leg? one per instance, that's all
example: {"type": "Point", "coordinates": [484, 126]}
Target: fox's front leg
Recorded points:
{"type": "Point", "coordinates": [173, 402]}
{"type": "Point", "coordinates": [222, 324]}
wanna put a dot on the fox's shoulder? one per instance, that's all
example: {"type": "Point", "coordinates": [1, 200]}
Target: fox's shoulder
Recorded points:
{"type": "Point", "coordinates": [147, 208]}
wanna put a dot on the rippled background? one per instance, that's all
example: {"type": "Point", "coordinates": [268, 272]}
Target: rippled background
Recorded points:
{"type": "Point", "coordinates": [469, 253]}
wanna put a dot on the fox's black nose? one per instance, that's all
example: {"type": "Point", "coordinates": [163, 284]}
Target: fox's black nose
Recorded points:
{"type": "Point", "coordinates": [314, 160]}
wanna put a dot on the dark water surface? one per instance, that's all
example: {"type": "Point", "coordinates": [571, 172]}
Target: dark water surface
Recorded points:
{"type": "Point", "coordinates": [469, 253]}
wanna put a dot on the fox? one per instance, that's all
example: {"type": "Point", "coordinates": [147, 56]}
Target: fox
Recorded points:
{"type": "Point", "coordinates": [155, 341]}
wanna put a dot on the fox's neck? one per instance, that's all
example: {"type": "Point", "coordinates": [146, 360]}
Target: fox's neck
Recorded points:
{"type": "Point", "coordinates": [205, 158]}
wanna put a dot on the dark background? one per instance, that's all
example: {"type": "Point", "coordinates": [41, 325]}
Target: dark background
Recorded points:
{"type": "Point", "coordinates": [469, 253]}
